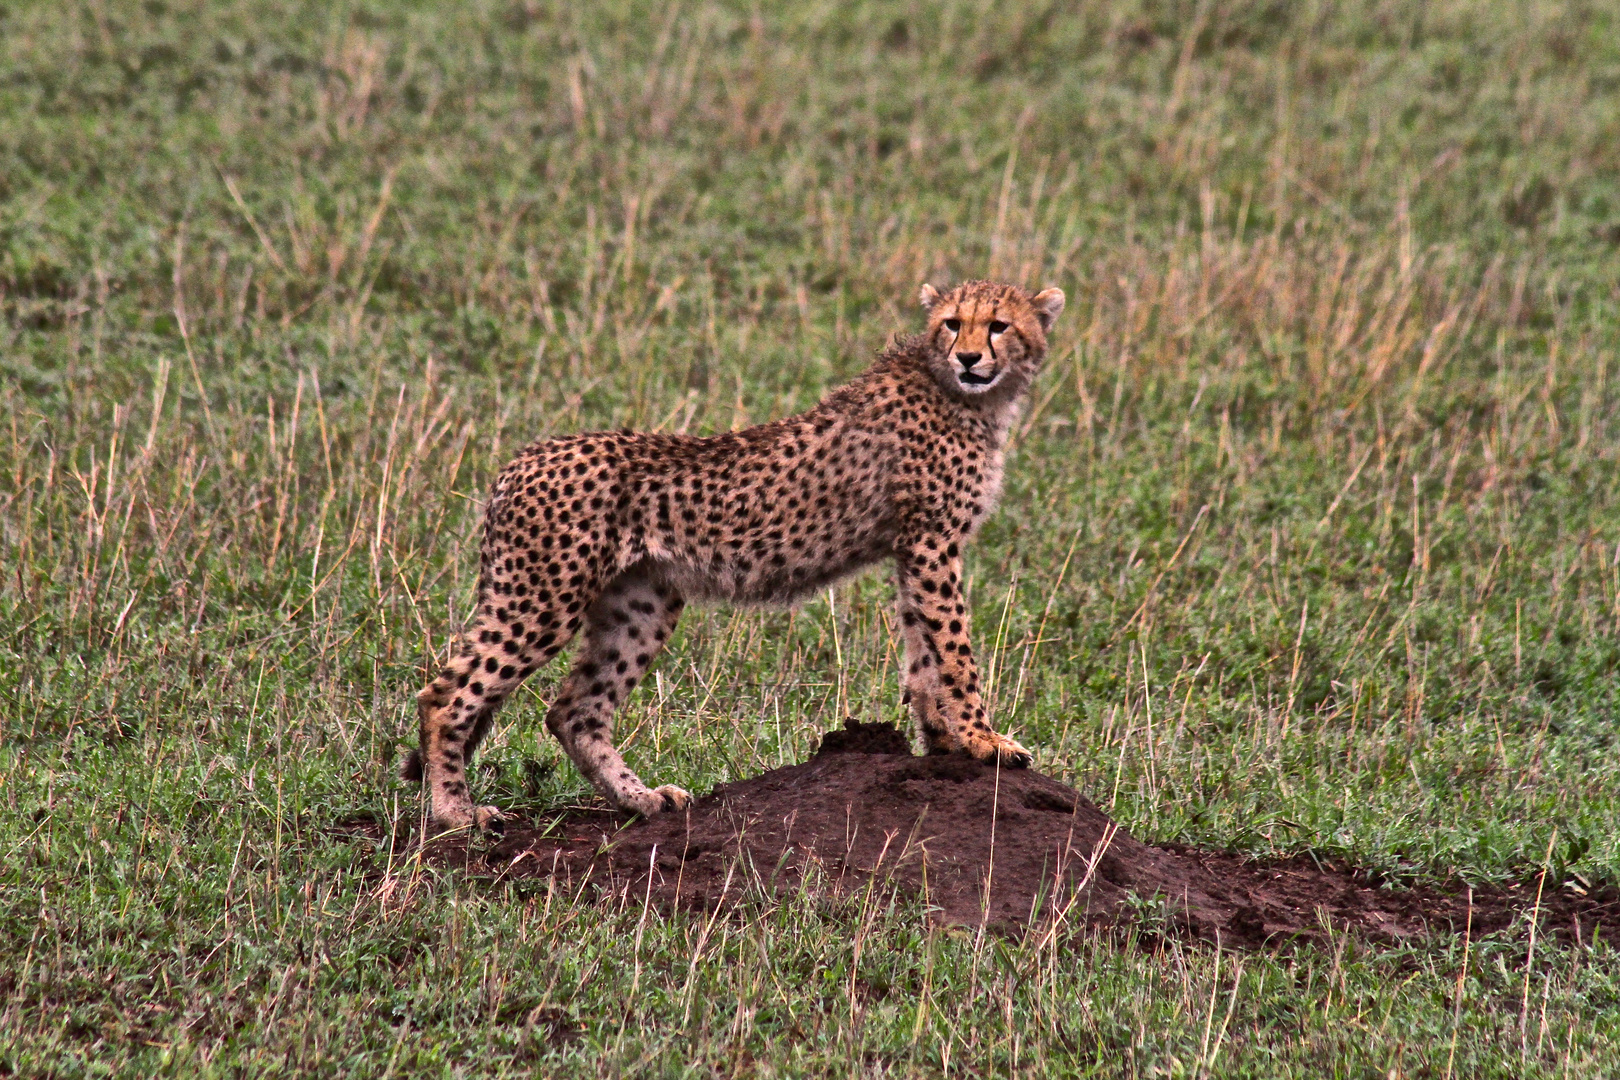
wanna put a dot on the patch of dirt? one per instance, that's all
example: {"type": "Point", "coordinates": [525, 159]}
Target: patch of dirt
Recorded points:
{"type": "Point", "coordinates": [997, 847]}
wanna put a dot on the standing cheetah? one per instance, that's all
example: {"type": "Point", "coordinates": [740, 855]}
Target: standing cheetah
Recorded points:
{"type": "Point", "coordinates": [608, 535]}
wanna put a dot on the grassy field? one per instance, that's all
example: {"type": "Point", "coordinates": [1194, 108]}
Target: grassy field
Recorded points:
{"type": "Point", "coordinates": [1311, 541]}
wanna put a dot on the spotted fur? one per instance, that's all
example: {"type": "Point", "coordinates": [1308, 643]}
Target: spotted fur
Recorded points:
{"type": "Point", "coordinates": [605, 536]}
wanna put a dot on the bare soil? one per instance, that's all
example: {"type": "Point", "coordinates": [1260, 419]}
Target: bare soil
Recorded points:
{"type": "Point", "coordinates": [1001, 848]}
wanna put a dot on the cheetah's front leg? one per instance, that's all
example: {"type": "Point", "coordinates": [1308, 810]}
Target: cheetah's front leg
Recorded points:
{"type": "Point", "coordinates": [921, 678]}
{"type": "Point", "coordinates": [942, 681]}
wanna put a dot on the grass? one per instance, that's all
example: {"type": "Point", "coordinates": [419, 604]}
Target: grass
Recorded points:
{"type": "Point", "coordinates": [1311, 541]}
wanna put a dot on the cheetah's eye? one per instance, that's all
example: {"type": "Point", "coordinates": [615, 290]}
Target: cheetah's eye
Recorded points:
{"type": "Point", "coordinates": [998, 328]}
{"type": "Point", "coordinates": [953, 325]}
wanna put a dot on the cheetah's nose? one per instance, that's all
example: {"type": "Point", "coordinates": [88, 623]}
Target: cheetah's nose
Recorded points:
{"type": "Point", "coordinates": [969, 377]}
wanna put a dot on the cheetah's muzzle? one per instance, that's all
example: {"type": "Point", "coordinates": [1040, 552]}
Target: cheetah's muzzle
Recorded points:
{"type": "Point", "coordinates": [605, 536]}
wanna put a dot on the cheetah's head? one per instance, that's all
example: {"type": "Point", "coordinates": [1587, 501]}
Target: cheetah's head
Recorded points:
{"type": "Point", "coordinates": [988, 338]}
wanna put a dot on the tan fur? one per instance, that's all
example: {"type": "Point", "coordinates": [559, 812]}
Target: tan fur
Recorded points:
{"type": "Point", "coordinates": [607, 535]}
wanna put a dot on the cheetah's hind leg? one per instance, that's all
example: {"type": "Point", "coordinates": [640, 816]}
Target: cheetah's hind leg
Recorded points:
{"type": "Point", "coordinates": [458, 707]}
{"type": "Point", "coordinates": [624, 630]}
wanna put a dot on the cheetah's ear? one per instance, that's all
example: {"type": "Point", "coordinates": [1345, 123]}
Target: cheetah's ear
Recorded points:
{"type": "Point", "coordinates": [928, 296]}
{"type": "Point", "coordinates": [1048, 305]}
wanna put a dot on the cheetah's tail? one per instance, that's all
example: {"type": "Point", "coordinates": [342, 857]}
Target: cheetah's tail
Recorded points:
{"type": "Point", "coordinates": [411, 768]}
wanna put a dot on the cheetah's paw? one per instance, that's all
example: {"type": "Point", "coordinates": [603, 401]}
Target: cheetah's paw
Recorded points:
{"type": "Point", "coordinates": [483, 819]}
{"type": "Point", "coordinates": [490, 821]}
{"type": "Point", "coordinates": [1014, 757]}
{"type": "Point", "coordinates": [674, 798]}
{"type": "Point", "coordinates": [998, 749]}
{"type": "Point", "coordinates": [659, 801]}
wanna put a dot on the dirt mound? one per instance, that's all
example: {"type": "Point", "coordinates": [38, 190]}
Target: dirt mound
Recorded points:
{"type": "Point", "coordinates": [998, 847]}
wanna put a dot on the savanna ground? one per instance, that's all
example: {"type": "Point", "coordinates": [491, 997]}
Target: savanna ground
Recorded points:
{"type": "Point", "coordinates": [1311, 541]}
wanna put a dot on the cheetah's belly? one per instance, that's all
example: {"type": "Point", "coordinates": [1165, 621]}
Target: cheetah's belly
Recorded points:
{"type": "Point", "coordinates": [765, 556]}
{"type": "Point", "coordinates": [770, 585]}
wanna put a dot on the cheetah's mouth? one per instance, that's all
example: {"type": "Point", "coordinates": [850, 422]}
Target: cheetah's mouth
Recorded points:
{"type": "Point", "coordinates": [968, 378]}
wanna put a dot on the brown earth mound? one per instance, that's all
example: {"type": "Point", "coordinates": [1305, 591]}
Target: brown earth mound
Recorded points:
{"type": "Point", "coordinates": [997, 847]}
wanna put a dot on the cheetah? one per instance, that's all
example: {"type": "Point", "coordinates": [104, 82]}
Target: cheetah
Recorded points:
{"type": "Point", "coordinates": [606, 536]}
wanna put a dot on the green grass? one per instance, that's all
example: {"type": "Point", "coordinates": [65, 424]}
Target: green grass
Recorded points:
{"type": "Point", "coordinates": [1311, 540]}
